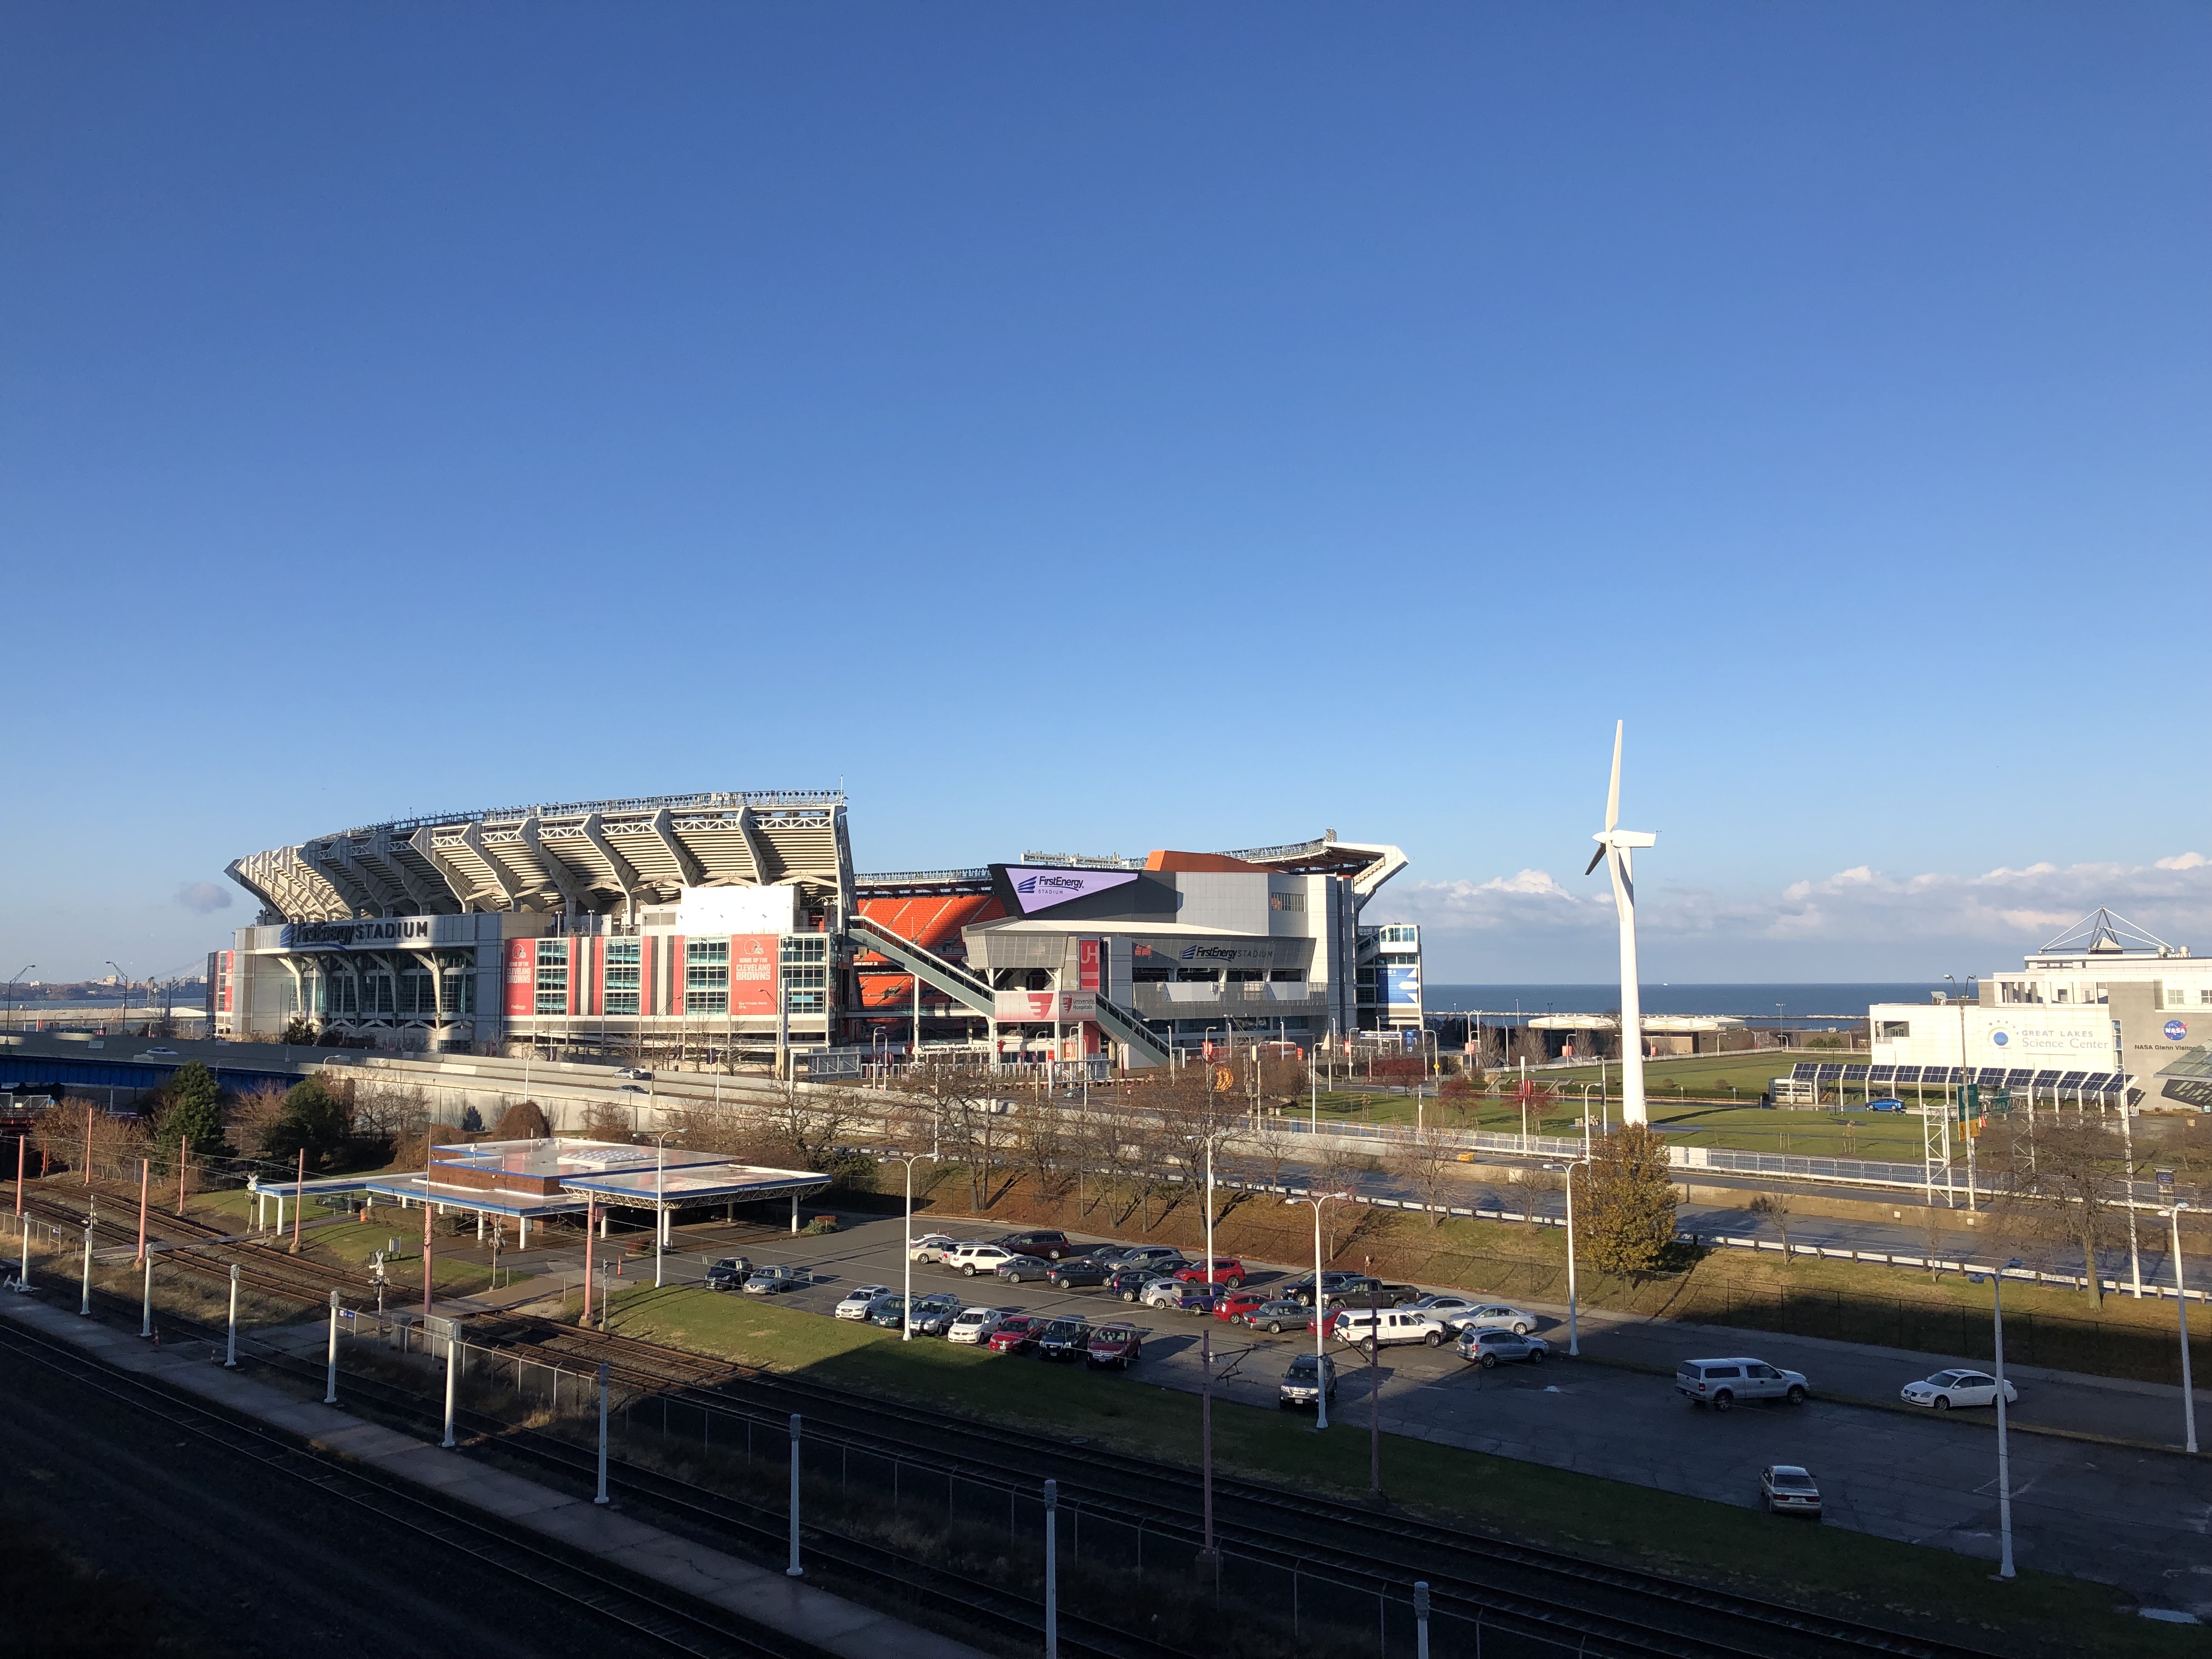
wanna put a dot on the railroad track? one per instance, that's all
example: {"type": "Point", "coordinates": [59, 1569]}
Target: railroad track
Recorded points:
{"type": "Point", "coordinates": [1618, 1610]}
{"type": "Point", "coordinates": [966, 1602]}
{"type": "Point", "coordinates": [1636, 1611]}
{"type": "Point", "coordinates": [579, 1581]}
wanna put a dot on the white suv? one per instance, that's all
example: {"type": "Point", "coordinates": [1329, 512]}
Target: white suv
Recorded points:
{"type": "Point", "coordinates": [1389, 1326]}
{"type": "Point", "coordinates": [973, 1259]}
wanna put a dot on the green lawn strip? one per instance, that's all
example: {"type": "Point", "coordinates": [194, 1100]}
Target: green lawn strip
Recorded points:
{"type": "Point", "coordinates": [1925, 1592]}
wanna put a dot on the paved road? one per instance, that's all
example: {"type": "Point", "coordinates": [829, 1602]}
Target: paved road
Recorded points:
{"type": "Point", "coordinates": [2123, 1513]}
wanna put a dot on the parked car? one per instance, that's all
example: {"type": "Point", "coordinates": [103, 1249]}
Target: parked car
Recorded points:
{"type": "Point", "coordinates": [1165, 1257]}
{"type": "Point", "coordinates": [1129, 1283]}
{"type": "Point", "coordinates": [1390, 1327]}
{"type": "Point", "coordinates": [1234, 1306]}
{"type": "Point", "coordinates": [1017, 1334]}
{"type": "Point", "coordinates": [729, 1274]}
{"type": "Point", "coordinates": [1222, 1270]}
{"type": "Point", "coordinates": [1309, 1376]}
{"type": "Point", "coordinates": [1164, 1292]}
{"type": "Point", "coordinates": [973, 1327]}
{"type": "Point", "coordinates": [1043, 1242]}
{"type": "Point", "coordinates": [1497, 1315]}
{"type": "Point", "coordinates": [1110, 1255]}
{"type": "Point", "coordinates": [930, 1247]}
{"type": "Point", "coordinates": [1721, 1382]}
{"type": "Point", "coordinates": [1276, 1317]}
{"type": "Point", "coordinates": [858, 1301]}
{"type": "Point", "coordinates": [1118, 1345]}
{"type": "Point", "coordinates": [774, 1281]}
{"type": "Point", "coordinates": [933, 1313]}
{"type": "Point", "coordinates": [1785, 1489]}
{"type": "Point", "coordinates": [1016, 1268]}
{"type": "Point", "coordinates": [888, 1311]}
{"type": "Point", "coordinates": [1495, 1346]}
{"type": "Point", "coordinates": [971, 1259]}
{"type": "Point", "coordinates": [1079, 1271]}
{"type": "Point", "coordinates": [1196, 1300]}
{"type": "Point", "coordinates": [1885, 1106]}
{"type": "Point", "coordinates": [1064, 1339]}
{"type": "Point", "coordinates": [1947, 1389]}
{"type": "Point", "coordinates": [1338, 1286]}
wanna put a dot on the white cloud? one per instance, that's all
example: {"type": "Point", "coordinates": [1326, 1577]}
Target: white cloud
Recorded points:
{"type": "Point", "coordinates": [1867, 913]}
{"type": "Point", "coordinates": [202, 896]}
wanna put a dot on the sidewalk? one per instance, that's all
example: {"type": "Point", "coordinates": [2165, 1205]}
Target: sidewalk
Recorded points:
{"type": "Point", "coordinates": [759, 1594]}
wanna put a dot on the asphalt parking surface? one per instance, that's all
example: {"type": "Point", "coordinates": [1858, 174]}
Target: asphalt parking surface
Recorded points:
{"type": "Point", "coordinates": [2123, 1515]}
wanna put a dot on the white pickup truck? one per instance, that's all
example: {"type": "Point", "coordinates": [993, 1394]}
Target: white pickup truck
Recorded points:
{"type": "Point", "coordinates": [1388, 1328]}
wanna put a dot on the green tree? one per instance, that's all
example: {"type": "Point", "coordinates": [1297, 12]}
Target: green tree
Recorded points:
{"type": "Point", "coordinates": [191, 1111]}
{"type": "Point", "coordinates": [316, 1118]}
{"type": "Point", "coordinates": [1631, 1201]}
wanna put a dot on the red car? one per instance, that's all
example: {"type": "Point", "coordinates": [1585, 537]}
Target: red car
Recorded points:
{"type": "Point", "coordinates": [1237, 1304]}
{"type": "Point", "coordinates": [1017, 1334]}
{"type": "Point", "coordinates": [1118, 1345]}
{"type": "Point", "coordinates": [1222, 1270]}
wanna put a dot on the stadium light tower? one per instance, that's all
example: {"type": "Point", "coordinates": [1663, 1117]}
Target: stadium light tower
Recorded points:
{"type": "Point", "coordinates": [1614, 845]}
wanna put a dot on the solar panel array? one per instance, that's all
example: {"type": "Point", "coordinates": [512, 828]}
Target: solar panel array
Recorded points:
{"type": "Point", "coordinates": [1986, 1077]}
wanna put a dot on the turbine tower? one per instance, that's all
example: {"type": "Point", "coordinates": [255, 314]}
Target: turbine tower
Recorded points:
{"type": "Point", "coordinates": [1612, 846]}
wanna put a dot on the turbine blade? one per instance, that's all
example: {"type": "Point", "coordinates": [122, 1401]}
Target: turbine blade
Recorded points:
{"type": "Point", "coordinates": [1596, 858]}
{"type": "Point", "coordinates": [1613, 794]}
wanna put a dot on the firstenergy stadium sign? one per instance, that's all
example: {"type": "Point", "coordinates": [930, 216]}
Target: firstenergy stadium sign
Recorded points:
{"type": "Point", "coordinates": [1039, 888]}
{"type": "Point", "coordinates": [377, 933]}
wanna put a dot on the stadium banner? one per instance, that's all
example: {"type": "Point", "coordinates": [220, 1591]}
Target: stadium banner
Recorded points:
{"type": "Point", "coordinates": [521, 976]}
{"type": "Point", "coordinates": [1401, 985]}
{"type": "Point", "coordinates": [1086, 963]}
{"type": "Point", "coordinates": [1040, 888]}
{"type": "Point", "coordinates": [1035, 1008]}
{"type": "Point", "coordinates": [752, 973]}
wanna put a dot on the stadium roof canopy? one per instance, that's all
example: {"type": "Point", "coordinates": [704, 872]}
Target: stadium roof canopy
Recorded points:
{"type": "Point", "coordinates": [580, 856]}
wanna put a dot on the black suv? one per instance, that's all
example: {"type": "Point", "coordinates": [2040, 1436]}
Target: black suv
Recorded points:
{"type": "Point", "coordinates": [729, 1274]}
{"type": "Point", "coordinates": [1065, 1339]}
{"type": "Point", "coordinates": [1050, 1245]}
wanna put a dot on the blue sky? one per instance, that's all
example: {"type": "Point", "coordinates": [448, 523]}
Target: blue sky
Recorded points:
{"type": "Point", "coordinates": [1100, 430]}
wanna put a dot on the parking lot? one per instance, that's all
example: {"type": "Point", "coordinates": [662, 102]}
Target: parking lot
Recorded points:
{"type": "Point", "coordinates": [2131, 1516]}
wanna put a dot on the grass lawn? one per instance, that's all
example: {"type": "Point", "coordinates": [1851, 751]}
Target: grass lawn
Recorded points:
{"type": "Point", "coordinates": [1927, 1591]}
{"type": "Point", "coordinates": [1824, 1131]}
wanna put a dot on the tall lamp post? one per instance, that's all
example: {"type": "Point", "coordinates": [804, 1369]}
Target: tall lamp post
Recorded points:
{"type": "Point", "coordinates": [2181, 1302]}
{"type": "Point", "coordinates": [1574, 1338]}
{"type": "Point", "coordinates": [659, 1201]}
{"type": "Point", "coordinates": [906, 1313]}
{"type": "Point", "coordinates": [1321, 1312]}
{"type": "Point", "coordinates": [2004, 1444]}
{"type": "Point", "coordinates": [12, 983]}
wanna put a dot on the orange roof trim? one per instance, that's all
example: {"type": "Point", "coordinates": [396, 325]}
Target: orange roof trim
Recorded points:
{"type": "Point", "coordinates": [1200, 863]}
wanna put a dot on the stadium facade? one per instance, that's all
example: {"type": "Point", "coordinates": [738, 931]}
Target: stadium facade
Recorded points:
{"type": "Point", "coordinates": [734, 924]}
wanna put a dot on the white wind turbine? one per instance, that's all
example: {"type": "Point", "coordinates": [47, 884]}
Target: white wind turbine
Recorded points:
{"type": "Point", "coordinates": [1612, 846]}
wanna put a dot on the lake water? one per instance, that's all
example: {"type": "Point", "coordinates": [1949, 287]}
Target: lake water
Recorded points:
{"type": "Point", "coordinates": [1800, 1005]}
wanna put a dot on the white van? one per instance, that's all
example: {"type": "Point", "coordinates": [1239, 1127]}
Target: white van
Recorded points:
{"type": "Point", "coordinates": [1389, 1326]}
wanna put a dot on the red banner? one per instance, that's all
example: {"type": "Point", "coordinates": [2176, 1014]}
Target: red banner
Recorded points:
{"type": "Point", "coordinates": [521, 976]}
{"type": "Point", "coordinates": [752, 973]}
{"type": "Point", "coordinates": [1086, 965]}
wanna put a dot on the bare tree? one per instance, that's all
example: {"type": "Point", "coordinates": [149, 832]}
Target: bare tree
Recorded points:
{"type": "Point", "coordinates": [1428, 1161]}
{"type": "Point", "coordinates": [1772, 1209]}
{"type": "Point", "coordinates": [2066, 1192]}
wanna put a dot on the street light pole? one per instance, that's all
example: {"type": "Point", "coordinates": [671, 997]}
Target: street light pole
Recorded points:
{"type": "Point", "coordinates": [1574, 1339]}
{"type": "Point", "coordinates": [1320, 1314]}
{"type": "Point", "coordinates": [906, 1318]}
{"type": "Point", "coordinates": [2004, 1442]}
{"type": "Point", "coordinates": [2181, 1302]}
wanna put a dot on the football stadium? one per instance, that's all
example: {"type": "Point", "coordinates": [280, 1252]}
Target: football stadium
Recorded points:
{"type": "Point", "coordinates": [733, 926]}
